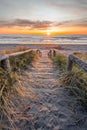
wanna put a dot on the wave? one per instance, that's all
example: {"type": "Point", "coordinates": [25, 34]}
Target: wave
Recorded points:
{"type": "Point", "coordinates": [24, 39]}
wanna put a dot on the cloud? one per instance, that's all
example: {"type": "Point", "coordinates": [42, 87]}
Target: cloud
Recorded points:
{"type": "Point", "coordinates": [51, 10]}
{"type": "Point", "coordinates": [72, 7]}
{"type": "Point", "coordinates": [79, 22]}
{"type": "Point", "coordinates": [26, 24]}
{"type": "Point", "coordinates": [69, 3]}
{"type": "Point", "coordinates": [41, 25]}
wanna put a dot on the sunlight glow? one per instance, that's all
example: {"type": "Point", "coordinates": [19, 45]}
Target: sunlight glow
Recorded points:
{"type": "Point", "coordinates": [48, 33]}
{"type": "Point", "coordinates": [51, 31]}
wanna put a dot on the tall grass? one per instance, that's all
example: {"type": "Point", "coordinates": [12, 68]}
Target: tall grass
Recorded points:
{"type": "Point", "coordinates": [60, 61]}
{"type": "Point", "coordinates": [7, 87]}
{"type": "Point", "coordinates": [22, 61]}
{"type": "Point", "coordinates": [16, 49]}
{"type": "Point", "coordinates": [75, 80]}
{"type": "Point", "coordinates": [82, 56]}
{"type": "Point", "coordinates": [10, 87]}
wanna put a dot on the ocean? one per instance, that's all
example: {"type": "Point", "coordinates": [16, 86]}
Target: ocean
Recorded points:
{"type": "Point", "coordinates": [43, 39]}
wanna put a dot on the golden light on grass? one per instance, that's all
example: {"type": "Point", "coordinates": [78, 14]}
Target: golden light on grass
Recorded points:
{"type": "Point", "coordinates": [12, 90]}
{"type": "Point", "coordinates": [76, 80]}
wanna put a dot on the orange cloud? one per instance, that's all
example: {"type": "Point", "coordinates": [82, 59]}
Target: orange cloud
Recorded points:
{"type": "Point", "coordinates": [42, 27]}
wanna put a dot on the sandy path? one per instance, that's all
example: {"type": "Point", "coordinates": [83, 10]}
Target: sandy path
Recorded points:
{"type": "Point", "coordinates": [50, 106]}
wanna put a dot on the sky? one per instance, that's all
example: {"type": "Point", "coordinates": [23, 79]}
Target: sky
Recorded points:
{"type": "Point", "coordinates": [43, 16]}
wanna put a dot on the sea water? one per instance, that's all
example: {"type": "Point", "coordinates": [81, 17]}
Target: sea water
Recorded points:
{"type": "Point", "coordinates": [42, 39]}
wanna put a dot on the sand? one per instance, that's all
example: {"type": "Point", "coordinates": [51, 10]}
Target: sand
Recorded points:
{"type": "Point", "coordinates": [64, 47]}
{"type": "Point", "coordinates": [49, 106]}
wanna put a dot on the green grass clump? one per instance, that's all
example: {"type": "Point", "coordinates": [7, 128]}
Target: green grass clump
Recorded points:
{"type": "Point", "coordinates": [76, 82]}
{"type": "Point", "coordinates": [22, 61]}
{"type": "Point", "coordinates": [60, 61]}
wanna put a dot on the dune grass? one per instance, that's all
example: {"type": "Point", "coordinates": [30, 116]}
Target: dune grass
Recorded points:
{"type": "Point", "coordinates": [22, 61]}
{"type": "Point", "coordinates": [60, 61]}
{"type": "Point", "coordinates": [82, 56]}
{"type": "Point", "coordinates": [10, 87]}
{"type": "Point", "coordinates": [16, 49]}
{"type": "Point", "coordinates": [7, 87]}
{"type": "Point", "coordinates": [75, 80]}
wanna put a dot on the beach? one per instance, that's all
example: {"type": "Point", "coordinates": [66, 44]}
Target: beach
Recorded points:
{"type": "Point", "coordinates": [43, 65]}
{"type": "Point", "coordinates": [45, 103]}
{"type": "Point", "coordinates": [65, 48]}
{"type": "Point", "coordinates": [68, 43]}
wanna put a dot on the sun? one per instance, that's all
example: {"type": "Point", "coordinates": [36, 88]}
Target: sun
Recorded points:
{"type": "Point", "coordinates": [51, 31]}
{"type": "Point", "coordinates": [48, 33]}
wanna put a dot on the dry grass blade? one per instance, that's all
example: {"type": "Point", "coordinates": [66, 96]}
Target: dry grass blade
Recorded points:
{"type": "Point", "coordinates": [75, 80]}
{"type": "Point", "coordinates": [11, 90]}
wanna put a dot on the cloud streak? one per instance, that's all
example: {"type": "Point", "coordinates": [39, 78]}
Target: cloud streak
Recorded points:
{"type": "Point", "coordinates": [26, 24]}
{"type": "Point", "coordinates": [41, 25]}
{"type": "Point", "coordinates": [79, 22]}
